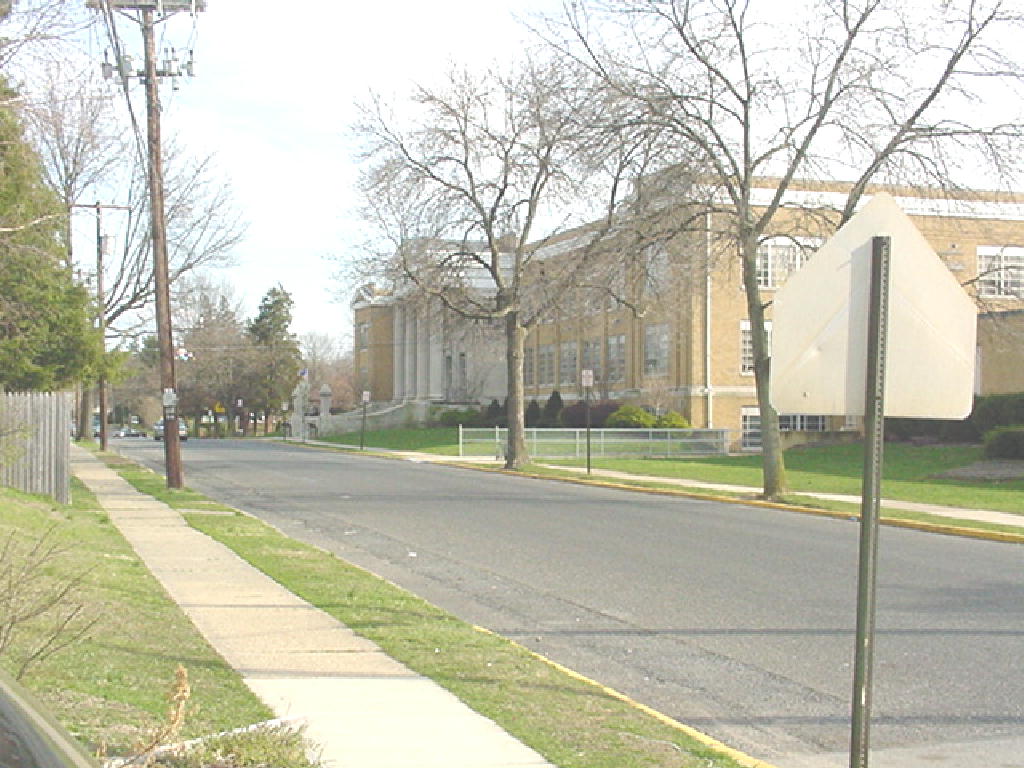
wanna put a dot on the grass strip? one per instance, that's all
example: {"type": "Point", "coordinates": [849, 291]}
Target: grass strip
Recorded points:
{"type": "Point", "coordinates": [573, 722]}
{"type": "Point", "coordinates": [110, 687]}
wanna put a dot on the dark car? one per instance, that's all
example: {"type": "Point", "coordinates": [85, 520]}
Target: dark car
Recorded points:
{"type": "Point", "coordinates": [158, 430]}
{"type": "Point", "coordinates": [30, 737]}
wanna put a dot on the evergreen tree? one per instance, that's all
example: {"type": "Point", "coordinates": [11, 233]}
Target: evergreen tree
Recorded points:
{"type": "Point", "coordinates": [46, 335]}
{"type": "Point", "coordinates": [552, 407]}
{"type": "Point", "coordinates": [277, 355]}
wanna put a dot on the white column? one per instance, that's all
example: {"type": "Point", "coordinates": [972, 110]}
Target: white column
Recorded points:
{"type": "Point", "coordinates": [398, 353]}
{"type": "Point", "coordinates": [410, 354]}
{"type": "Point", "coordinates": [423, 355]}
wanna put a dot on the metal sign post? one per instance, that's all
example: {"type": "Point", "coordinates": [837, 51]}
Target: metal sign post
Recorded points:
{"type": "Point", "coordinates": [874, 433]}
{"type": "Point", "coordinates": [587, 376]}
{"type": "Point", "coordinates": [362, 430]}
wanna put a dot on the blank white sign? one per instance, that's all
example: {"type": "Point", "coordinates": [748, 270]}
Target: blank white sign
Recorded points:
{"type": "Point", "coordinates": [820, 324]}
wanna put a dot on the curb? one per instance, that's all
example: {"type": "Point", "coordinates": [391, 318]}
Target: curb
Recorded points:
{"type": "Point", "coordinates": [741, 758]}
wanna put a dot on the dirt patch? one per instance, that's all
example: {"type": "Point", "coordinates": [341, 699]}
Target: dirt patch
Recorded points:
{"type": "Point", "coordinates": [992, 469]}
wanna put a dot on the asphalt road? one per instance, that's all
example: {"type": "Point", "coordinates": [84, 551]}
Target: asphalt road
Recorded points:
{"type": "Point", "coordinates": [736, 620]}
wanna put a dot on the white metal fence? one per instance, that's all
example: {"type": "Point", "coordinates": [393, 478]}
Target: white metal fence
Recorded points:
{"type": "Point", "coordinates": [547, 443]}
{"type": "Point", "coordinates": [35, 443]}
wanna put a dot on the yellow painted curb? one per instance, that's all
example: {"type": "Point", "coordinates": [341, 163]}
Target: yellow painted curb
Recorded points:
{"type": "Point", "coordinates": [741, 758]}
{"type": "Point", "coordinates": [894, 522]}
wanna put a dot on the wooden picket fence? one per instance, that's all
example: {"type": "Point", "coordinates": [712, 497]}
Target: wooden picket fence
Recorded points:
{"type": "Point", "coordinates": [35, 443]}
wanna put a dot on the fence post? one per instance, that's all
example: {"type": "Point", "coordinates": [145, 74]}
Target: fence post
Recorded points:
{"type": "Point", "coordinates": [461, 454]}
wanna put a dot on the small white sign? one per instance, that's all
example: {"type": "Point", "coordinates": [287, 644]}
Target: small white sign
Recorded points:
{"type": "Point", "coordinates": [587, 375]}
{"type": "Point", "coordinates": [170, 398]}
{"type": "Point", "coordinates": [366, 396]}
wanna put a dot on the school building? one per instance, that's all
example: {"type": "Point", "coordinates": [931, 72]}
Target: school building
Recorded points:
{"type": "Point", "coordinates": [690, 348]}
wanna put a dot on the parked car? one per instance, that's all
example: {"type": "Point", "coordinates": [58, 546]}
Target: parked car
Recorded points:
{"type": "Point", "coordinates": [158, 430]}
{"type": "Point", "coordinates": [129, 430]}
{"type": "Point", "coordinates": [30, 736]}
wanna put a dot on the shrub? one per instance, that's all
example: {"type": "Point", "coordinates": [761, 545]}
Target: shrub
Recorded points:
{"type": "Point", "coordinates": [552, 407]}
{"type": "Point", "coordinates": [1005, 443]}
{"type": "Point", "coordinates": [575, 415]}
{"type": "Point", "coordinates": [994, 411]}
{"type": "Point", "coordinates": [631, 416]}
{"type": "Point", "coordinates": [470, 417]}
{"type": "Point", "coordinates": [533, 414]}
{"type": "Point", "coordinates": [601, 410]}
{"type": "Point", "coordinates": [493, 416]}
{"type": "Point", "coordinates": [672, 420]}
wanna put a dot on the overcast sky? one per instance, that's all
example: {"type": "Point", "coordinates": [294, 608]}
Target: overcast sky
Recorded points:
{"type": "Point", "coordinates": [273, 98]}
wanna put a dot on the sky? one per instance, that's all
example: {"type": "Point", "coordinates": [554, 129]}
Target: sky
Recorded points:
{"type": "Point", "coordinates": [273, 98]}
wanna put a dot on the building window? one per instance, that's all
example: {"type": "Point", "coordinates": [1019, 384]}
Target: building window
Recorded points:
{"type": "Point", "coordinates": [615, 357]}
{"type": "Point", "coordinates": [567, 363]}
{"type": "Point", "coordinates": [747, 346]}
{"type": "Point", "coordinates": [750, 425]}
{"type": "Point", "coordinates": [590, 357]}
{"type": "Point", "coordinates": [779, 257]}
{"type": "Point", "coordinates": [656, 269]}
{"type": "Point", "coordinates": [750, 428]}
{"type": "Point", "coordinates": [528, 367]}
{"type": "Point", "coordinates": [802, 422]}
{"type": "Point", "coordinates": [656, 349]}
{"type": "Point", "coordinates": [1000, 271]}
{"type": "Point", "coordinates": [362, 335]}
{"type": "Point", "coordinates": [545, 365]}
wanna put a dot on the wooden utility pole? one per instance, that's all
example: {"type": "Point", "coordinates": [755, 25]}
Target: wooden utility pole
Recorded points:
{"type": "Point", "coordinates": [161, 278]}
{"type": "Point", "coordinates": [85, 422]}
{"type": "Point", "coordinates": [172, 446]}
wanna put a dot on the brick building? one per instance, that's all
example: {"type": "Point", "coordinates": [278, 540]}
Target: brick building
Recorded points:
{"type": "Point", "coordinates": [690, 349]}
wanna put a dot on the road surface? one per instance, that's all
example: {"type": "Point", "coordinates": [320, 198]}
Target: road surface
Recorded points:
{"type": "Point", "coordinates": [735, 620]}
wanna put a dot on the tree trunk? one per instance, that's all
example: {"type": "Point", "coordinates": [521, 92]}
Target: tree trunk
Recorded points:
{"type": "Point", "coordinates": [773, 464]}
{"type": "Point", "coordinates": [85, 412]}
{"type": "Point", "coordinates": [516, 455]}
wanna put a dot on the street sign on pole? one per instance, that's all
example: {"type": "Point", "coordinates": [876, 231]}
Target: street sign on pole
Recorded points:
{"type": "Point", "coordinates": [854, 331]}
{"type": "Point", "coordinates": [587, 378]}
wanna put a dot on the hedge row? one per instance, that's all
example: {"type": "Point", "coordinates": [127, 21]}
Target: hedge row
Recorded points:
{"type": "Point", "coordinates": [989, 412]}
{"type": "Point", "coordinates": [1005, 443]}
{"type": "Point", "coordinates": [603, 413]}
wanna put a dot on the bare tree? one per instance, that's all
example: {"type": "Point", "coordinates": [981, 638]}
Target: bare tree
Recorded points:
{"type": "Point", "coordinates": [873, 91]}
{"type": "Point", "coordinates": [479, 202]}
{"type": "Point", "coordinates": [72, 124]}
{"type": "Point", "coordinates": [34, 26]}
{"type": "Point", "coordinates": [330, 362]}
{"type": "Point", "coordinates": [202, 230]}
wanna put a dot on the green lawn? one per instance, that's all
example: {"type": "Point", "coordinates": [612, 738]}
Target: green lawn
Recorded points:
{"type": "Point", "coordinates": [908, 473]}
{"type": "Point", "coordinates": [110, 688]}
{"type": "Point", "coordinates": [909, 470]}
{"type": "Point", "coordinates": [443, 441]}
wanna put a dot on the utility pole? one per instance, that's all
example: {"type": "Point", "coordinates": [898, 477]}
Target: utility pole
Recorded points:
{"type": "Point", "coordinates": [172, 446]}
{"type": "Point", "coordinates": [161, 277]}
{"type": "Point", "coordinates": [101, 318]}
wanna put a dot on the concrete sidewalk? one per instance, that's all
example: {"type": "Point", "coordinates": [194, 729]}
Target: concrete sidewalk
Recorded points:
{"type": "Point", "coordinates": [363, 708]}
